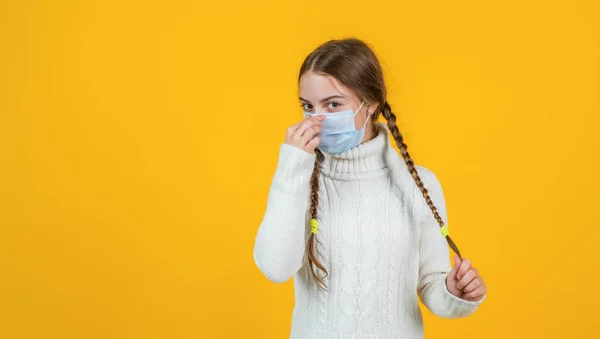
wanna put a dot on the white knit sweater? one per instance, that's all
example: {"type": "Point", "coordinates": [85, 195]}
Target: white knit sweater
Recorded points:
{"type": "Point", "coordinates": [377, 238]}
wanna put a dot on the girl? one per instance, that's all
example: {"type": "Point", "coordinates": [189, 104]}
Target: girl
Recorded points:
{"type": "Point", "coordinates": [362, 230]}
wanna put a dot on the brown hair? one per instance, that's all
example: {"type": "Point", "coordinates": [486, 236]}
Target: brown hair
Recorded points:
{"type": "Point", "coordinates": [354, 64]}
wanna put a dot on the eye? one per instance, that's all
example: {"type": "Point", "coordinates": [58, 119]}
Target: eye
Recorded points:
{"type": "Point", "coordinates": [306, 107]}
{"type": "Point", "coordinates": [333, 105]}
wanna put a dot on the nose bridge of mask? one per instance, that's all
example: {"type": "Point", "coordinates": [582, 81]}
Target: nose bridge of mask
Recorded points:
{"type": "Point", "coordinates": [338, 122]}
{"type": "Point", "coordinates": [335, 113]}
{"type": "Point", "coordinates": [325, 114]}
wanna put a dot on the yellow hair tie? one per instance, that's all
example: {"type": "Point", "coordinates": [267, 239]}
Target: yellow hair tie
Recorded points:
{"type": "Point", "coordinates": [314, 225]}
{"type": "Point", "coordinates": [444, 230]}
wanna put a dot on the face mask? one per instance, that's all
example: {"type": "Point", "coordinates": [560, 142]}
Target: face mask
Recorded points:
{"type": "Point", "coordinates": [338, 133]}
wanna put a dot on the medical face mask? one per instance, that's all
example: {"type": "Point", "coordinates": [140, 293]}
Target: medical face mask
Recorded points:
{"type": "Point", "coordinates": [338, 133]}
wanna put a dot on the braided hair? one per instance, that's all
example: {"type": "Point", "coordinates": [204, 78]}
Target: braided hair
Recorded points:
{"type": "Point", "coordinates": [354, 64]}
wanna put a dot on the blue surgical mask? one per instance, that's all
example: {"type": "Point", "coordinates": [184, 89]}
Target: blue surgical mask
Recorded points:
{"type": "Point", "coordinates": [338, 133]}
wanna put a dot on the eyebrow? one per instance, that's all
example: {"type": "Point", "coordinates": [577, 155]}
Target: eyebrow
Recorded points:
{"type": "Point", "coordinates": [326, 99]}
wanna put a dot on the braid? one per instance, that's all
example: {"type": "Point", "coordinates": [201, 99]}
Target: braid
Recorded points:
{"type": "Point", "coordinates": [391, 123]}
{"type": "Point", "coordinates": [314, 203]}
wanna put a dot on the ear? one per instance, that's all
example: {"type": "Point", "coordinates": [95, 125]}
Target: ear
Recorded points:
{"type": "Point", "coordinates": [372, 108]}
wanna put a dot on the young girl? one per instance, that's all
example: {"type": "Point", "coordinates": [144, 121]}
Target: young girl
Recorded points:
{"type": "Point", "coordinates": [360, 228]}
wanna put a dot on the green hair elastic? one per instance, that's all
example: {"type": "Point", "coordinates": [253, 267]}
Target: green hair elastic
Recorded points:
{"type": "Point", "coordinates": [444, 231]}
{"type": "Point", "coordinates": [314, 225]}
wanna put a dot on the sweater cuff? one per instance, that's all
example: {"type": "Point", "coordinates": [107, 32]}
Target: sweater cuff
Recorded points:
{"type": "Point", "coordinates": [460, 307]}
{"type": "Point", "coordinates": [294, 169]}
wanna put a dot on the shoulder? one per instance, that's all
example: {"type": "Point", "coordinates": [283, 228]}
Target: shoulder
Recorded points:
{"type": "Point", "coordinates": [434, 190]}
{"type": "Point", "coordinates": [403, 176]}
{"type": "Point", "coordinates": [428, 177]}
{"type": "Point", "coordinates": [424, 172]}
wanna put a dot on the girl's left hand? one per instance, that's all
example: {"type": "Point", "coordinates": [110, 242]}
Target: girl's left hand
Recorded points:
{"type": "Point", "coordinates": [464, 281]}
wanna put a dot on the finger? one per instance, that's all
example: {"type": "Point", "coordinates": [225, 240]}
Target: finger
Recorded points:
{"type": "Point", "coordinates": [306, 124]}
{"type": "Point", "coordinates": [466, 279]}
{"type": "Point", "coordinates": [473, 285]}
{"type": "Point", "coordinates": [464, 267]}
{"type": "Point", "coordinates": [313, 144]}
{"type": "Point", "coordinates": [452, 273]}
{"type": "Point", "coordinates": [292, 129]}
{"type": "Point", "coordinates": [475, 295]}
{"type": "Point", "coordinates": [295, 126]}
{"type": "Point", "coordinates": [309, 134]}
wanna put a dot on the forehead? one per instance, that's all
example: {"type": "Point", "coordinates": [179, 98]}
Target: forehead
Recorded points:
{"type": "Point", "coordinates": [314, 86]}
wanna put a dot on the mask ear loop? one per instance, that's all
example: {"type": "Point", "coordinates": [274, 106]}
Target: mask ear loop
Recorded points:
{"type": "Point", "coordinates": [358, 109]}
{"type": "Point", "coordinates": [368, 115]}
{"type": "Point", "coordinates": [365, 124]}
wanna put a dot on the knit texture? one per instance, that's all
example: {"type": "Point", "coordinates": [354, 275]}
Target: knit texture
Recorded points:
{"type": "Point", "coordinates": [377, 238]}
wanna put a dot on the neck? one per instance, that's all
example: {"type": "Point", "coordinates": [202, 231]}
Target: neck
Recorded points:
{"type": "Point", "coordinates": [367, 159]}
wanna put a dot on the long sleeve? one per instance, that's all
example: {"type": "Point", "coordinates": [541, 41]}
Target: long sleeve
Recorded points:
{"type": "Point", "coordinates": [281, 238]}
{"type": "Point", "coordinates": [434, 256]}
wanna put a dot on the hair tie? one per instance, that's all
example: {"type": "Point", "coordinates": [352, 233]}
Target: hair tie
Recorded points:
{"type": "Point", "coordinates": [444, 230]}
{"type": "Point", "coordinates": [314, 225]}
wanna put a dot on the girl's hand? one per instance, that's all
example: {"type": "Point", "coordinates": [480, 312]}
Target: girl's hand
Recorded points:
{"type": "Point", "coordinates": [301, 134]}
{"type": "Point", "coordinates": [464, 281]}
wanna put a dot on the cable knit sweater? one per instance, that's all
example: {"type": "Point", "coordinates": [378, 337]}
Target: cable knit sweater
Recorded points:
{"type": "Point", "coordinates": [377, 238]}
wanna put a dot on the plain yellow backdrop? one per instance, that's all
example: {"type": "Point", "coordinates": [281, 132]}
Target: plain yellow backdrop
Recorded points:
{"type": "Point", "coordinates": [138, 140]}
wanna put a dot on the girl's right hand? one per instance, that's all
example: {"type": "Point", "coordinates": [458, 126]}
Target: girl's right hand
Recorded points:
{"type": "Point", "coordinates": [302, 134]}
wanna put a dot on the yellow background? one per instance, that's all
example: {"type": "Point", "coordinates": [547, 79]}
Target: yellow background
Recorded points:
{"type": "Point", "coordinates": [138, 141]}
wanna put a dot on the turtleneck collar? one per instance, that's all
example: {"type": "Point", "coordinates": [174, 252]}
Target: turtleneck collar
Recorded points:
{"type": "Point", "coordinates": [367, 159]}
